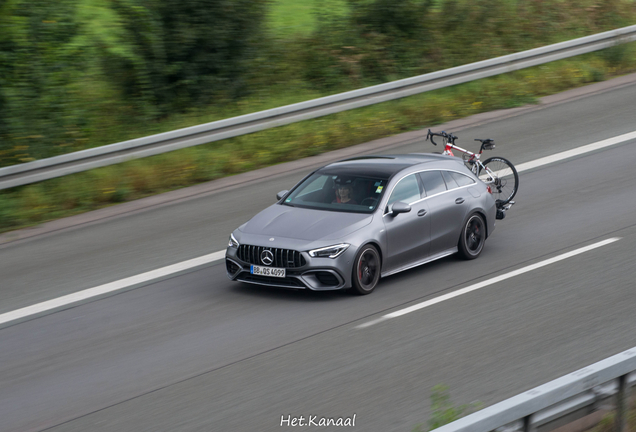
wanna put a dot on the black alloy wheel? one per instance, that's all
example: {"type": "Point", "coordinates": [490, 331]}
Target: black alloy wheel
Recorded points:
{"type": "Point", "coordinates": [473, 237]}
{"type": "Point", "coordinates": [366, 270]}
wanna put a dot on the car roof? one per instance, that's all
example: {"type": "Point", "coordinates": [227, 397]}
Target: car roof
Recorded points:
{"type": "Point", "coordinates": [381, 166]}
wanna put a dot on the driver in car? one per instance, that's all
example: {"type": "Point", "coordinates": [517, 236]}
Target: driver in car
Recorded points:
{"type": "Point", "coordinates": [344, 192]}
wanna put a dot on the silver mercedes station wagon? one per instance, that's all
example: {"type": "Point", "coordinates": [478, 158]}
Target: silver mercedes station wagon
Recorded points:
{"type": "Point", "coordinates": [348, 224]}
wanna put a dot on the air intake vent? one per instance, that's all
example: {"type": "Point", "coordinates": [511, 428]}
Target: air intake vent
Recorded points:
{"type": "Point", "coordinates": [327, 278]}
{"type": "Point", "coordinates": [231, 267]}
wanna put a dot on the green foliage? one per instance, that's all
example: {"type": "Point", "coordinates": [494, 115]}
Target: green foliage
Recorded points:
{"type": "Point", "coordinates": [381, 40]}
{"type": "Point", "coordinates": [399, 19]}
{"type": "Point", "coordinates": [615, 55]}
{"type": "Point", "coordinates": [378, 40]}
{"type": "Point", "coordinates": [73, 70]}
{"type": "Point", "coordinates": [289, 18]}
{"type": "Point", "coordinates": [10, 218]}
{"type": "Point", "coordinates": [76, 74]}
{"type": "Point", "coordinates": [122, 46]}
{"type": "Point", "coordinates": [444, 411]}
{"type": "Point", "coordinates": [187, 51]}
{"type": "Point", "coordinates": [37, 67]}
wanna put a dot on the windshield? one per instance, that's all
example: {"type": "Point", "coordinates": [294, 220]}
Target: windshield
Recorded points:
{"type": "Point", "coordinates": [338, 192]}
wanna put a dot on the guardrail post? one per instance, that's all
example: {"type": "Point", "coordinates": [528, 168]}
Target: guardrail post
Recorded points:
{"type": "Point", "coordinates": [527, 423]}
{"type": "Point", "coordinates": [621, 404]}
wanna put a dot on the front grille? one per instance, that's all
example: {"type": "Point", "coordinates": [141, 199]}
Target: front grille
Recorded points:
{"type": "Point", "coordinates": [283, 258]}
{"type": "Point", "coordinates": [267, 280]}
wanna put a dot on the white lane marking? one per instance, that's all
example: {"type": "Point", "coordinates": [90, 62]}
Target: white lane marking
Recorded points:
{"type": "Point", "coordinates": [576, 152]}
{"type": "Point", "coordinates": [129, 283]}
{"type": "Point", "coordinates": [109, 288]}
{"type": "Point", "coordinates": [565, 155]}
{"type": "Point", "coordinates": [488, 282]}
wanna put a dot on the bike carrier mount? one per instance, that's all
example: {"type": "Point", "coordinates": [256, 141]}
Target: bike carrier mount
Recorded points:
{"type": "Point", "coordinates": [503, 208]}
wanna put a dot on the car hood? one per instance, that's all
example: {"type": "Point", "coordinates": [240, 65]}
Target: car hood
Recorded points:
{"type": "Point", "coordinates": [305, 224]}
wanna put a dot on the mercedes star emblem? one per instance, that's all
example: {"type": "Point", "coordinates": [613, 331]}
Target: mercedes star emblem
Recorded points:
{"type": "Point", "coordinates": [267, 257]}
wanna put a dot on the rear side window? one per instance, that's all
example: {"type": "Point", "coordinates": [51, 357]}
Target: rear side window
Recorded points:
{"type": "Point", "coordinates": [461, 179]}
{"type": "Point", "coordinates": [450, 181]}
{"type": "Point", "coordinates": [407, 190]}
{"type": "Point", "coordinates": [433, 182]}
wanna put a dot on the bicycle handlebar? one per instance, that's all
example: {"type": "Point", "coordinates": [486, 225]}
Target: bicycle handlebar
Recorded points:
{"type": "Point", "coordinates": [447, 136]}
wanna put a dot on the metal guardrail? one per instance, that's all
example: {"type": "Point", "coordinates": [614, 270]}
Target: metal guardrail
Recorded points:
{"type": "Point", "coordinates": [44, 169]}
{"type": "Point", "coordinates": [558, 399]}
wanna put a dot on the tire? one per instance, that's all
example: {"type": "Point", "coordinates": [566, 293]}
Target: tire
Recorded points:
{"type": "Point", "coordinates": [366, 270]}
{"type": "Point", "coordinates": [473, 237]}
{"type": "Point", "coordinates": [504, 188]}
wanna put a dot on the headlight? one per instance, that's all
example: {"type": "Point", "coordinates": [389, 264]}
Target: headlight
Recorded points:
{"type": "Point", "coordinates": [233, 242]}
{"type": "Point", "coordinates": [329, 251]}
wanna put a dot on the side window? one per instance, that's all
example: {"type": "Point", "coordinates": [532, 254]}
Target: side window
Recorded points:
{"type": "Point", "coordinates": [462, 179]}
{"type": "Point", "coordinates": [407, 190]}
{"type": "Point", "coordinates": [450, 181]}
{"type": "Point", "coordinates": [318, 183]}
{"type": "Point", "coordinates": [433, 182]}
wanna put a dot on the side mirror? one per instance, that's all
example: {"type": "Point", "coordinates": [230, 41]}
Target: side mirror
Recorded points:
{"type": "Point", "coordinates": [400, 207]}
{"type": "Point", "coordinates": [280, 195]}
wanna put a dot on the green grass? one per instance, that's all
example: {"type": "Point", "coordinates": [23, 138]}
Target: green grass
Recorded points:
{"type": "Point", "coordinates": [32, 204]}
{"type": "Point", "coordinates": [443, 411]}
{"type": "Point", "coordinates": [297, 17]}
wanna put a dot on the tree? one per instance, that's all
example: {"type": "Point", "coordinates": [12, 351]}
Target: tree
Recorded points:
{"type": "Point", "coordinates": [36, 69]}
{"type": "Point", "coordinates": [186, 52]}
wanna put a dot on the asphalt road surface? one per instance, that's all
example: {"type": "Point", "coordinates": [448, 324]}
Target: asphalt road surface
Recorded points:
{"type": "Point", "coordinates": [200, 353]}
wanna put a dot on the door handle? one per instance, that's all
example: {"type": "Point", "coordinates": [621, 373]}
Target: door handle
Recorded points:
{"type": "Point", "coordinates": [421, 212]}
{"type": "Point", "coordinates": [459, 200]}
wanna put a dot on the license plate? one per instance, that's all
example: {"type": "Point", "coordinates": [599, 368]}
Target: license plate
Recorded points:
{"type": "Point", "coordinates": [267, 271]}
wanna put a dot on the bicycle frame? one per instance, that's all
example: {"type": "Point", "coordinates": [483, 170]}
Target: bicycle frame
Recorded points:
{"type": "Point", "coordinates": [474, 159]}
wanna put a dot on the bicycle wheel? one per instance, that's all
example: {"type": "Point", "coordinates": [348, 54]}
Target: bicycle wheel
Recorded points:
{"type": "Point", "coordinates": [506, 182]}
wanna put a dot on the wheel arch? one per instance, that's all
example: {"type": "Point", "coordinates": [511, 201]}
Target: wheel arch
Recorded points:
{"type": "Point", "coordinates": [366, 287]}
{"type": "Point", "coordinates": [481, 213]}
{"type": "Point", "coordinates": [461, 247]}
{"type": "Point", "coordinates": [375, 244]}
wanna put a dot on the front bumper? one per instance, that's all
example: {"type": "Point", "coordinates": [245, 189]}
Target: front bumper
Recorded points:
{"type": "Point", "coordinates": [317, 274]}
